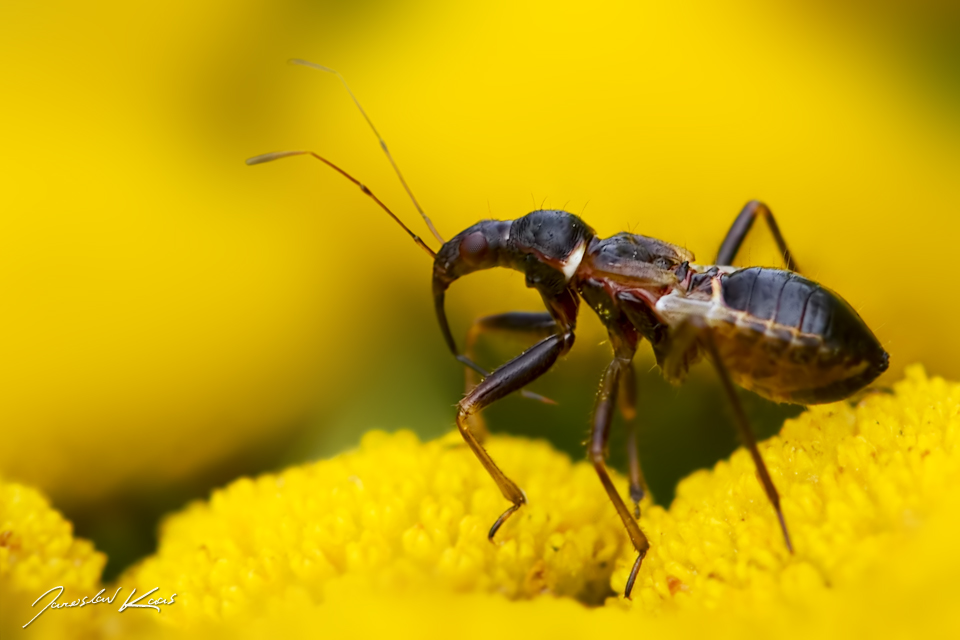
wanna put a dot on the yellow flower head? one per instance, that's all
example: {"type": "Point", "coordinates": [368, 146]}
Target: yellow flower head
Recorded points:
{"type": "Point", "coordinates": [395, 515]}
{"type": "Point", "coordinates": [855, 483]}
{"type": "Point", "coordinates": [394, 533]}
{"type": "Point", "coordinates": [391, 538]}
{"type": "Point", "coordinates": [38, 552]}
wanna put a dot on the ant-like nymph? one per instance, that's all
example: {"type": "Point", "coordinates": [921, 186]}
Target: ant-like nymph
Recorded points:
{"type": "Point", "coordinates": [771, 331]}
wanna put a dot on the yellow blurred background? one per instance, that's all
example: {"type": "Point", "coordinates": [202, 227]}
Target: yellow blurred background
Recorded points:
{"type": "Point", "coordinates": [172, 318]}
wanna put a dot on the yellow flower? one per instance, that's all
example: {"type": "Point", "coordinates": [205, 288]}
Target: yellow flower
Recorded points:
{"type": "Point", "coordinates": [395, 515]}
{"type": "Point", "coordinates": [857, 484]}
{"type": "Point", "coordinates": [38, 552]}
{"type": "Point", "coordinates": [392, 537]}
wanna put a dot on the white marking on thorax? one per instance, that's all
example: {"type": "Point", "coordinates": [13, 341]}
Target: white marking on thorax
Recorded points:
{"type": "Point", "coordinates": [676, 306]}
{"type": "Point", "coordinates": [724, 269]}
{"type": "Point", "coordinates": [573, 261]}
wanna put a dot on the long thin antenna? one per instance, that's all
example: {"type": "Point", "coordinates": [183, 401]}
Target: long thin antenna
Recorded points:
{"type": "Point", "coordinates": [276, 155]}
{"type": "Point", "coordinates": [383, 144]}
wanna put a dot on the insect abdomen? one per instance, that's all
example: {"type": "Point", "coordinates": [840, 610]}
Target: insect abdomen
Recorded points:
{"type": "Point", "coordinates": [796, 341]}
{"type": "Point", "coordinates": [770, 294]}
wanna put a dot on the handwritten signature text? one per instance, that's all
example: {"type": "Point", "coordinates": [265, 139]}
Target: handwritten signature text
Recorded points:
{"type": "Point", "coordinates": [152, 603]}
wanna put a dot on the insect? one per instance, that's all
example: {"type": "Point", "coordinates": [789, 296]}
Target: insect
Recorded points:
{"type": "Point", "coordinates": [771, 331]}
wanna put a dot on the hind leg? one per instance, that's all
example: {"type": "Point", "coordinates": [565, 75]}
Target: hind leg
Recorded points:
{"type": "Point", "coordinates": [695, 332]}
{"type": "Point", "coordinates": [741, 227]}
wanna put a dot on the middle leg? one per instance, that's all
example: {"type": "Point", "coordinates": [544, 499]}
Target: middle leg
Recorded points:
{"type": "Point", "coordinates": [599, 436]}
{"type": "Point", "coordinates": [628, 409]}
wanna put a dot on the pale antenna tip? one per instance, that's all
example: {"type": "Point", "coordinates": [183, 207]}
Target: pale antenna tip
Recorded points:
{"type": "Point", "coordinates": [270, 157]}
{"type": "Point", "coordinates": [314, 65]}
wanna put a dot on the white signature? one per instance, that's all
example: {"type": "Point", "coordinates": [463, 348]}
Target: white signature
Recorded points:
{"type": "Point", "coordinates": [152, 603]}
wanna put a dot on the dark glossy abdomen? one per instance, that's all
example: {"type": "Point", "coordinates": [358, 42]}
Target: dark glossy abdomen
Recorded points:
{"type": "Point", "coordinates": [793, 340]}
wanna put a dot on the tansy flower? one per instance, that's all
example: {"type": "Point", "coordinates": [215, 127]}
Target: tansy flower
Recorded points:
{"type": "Point", "coordinates": [858, 483]}
{"type": "Point", "coordinates": [38, 552]}
{"type": "Point", "coordinates": [396, 515]}
{"type": "Point", "coordinates": [392, 537]}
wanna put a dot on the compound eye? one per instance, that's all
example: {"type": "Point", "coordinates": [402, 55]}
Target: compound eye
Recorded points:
{"type": "Point", "coordinates": [474, 248]}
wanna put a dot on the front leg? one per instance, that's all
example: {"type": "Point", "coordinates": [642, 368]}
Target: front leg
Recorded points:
{"type": "Point", "coordinates": [533, 324]}
{"type": "Point", "coordinates": [515, 374]}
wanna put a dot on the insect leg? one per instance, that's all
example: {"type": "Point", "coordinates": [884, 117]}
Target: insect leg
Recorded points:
{"type": "Point", "coordinates": [628, 409]}
{"type": "Point", "coordinates": [599, 434]}
{"type": "Point", "coordinates": [536, 325]}
{"type": "Point", "coordinates": [693, 333]}
{"type": "Point", "coordinates": [624, 339]}
{"type": "Point", "coordinates": [515, 374]}
{"type": "Point", "coordinates": [746, 433]}
{"type": "Point", "coordinates": [740, 228]}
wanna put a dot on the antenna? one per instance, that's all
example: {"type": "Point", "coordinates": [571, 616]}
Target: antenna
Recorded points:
{"type": "Point", "coordinates": [276, 155]}
{"type": "Point", "coordinates": [383, 144]}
